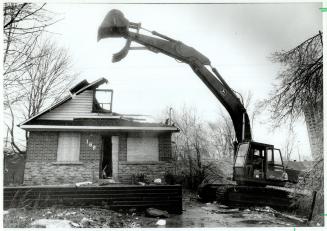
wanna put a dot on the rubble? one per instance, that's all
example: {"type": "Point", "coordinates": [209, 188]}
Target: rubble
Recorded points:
{"type": "Point", "coordinates": [161, 222]}
{"type": "Point", "coordinates": [106, 181]}
{"type": "Point", "coordinates": [86, 222]}
{"type": "Point", "coordinates": [51, 223]}
{"type": "Point", "coordinates": [195, 214]}
{"type": "Point", "coordinates": [152, 212]}
{"type": "Point", "coordinates": [75, 225]}
{"type": "Point", "coordinates": [83, 183]}
{"type": "Point", "coordinates": [290, 217]}
{"type": "Point", "coordinates": [157, 181]}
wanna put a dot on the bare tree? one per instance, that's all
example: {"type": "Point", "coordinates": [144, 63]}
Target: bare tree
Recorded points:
{"type": "Point", "coordinates": [222, 137]}
{"type": "Point", "coordinates": [36, 72]}
{"type": "Point", "coordinates": [193, 133]}
{"type": "Point", "coordinates": [300, 82]}
{"type": "Point", "coordinates": [191, 145]}
{"type": "Point", "coordinates": [300, 92]}
{"type": "Point", "coordinates": [288, 146]}
{"type": "Point", "coordinates": [23, 23]}
{"type": "Point", "coordinates": [222, 132]}
{"type": "Point", "coordinates": [44, 82]}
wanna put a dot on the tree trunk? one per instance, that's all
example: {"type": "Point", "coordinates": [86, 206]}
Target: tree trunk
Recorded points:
{"type": "Point", "coordinates": [314, 121]}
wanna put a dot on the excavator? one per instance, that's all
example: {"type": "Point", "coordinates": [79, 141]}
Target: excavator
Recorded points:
{"type": "Point", "coordinates": [258, 171]}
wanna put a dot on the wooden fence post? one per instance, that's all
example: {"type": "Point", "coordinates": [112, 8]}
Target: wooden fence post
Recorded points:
{"type": "Point", "coordinates": [312, 205]}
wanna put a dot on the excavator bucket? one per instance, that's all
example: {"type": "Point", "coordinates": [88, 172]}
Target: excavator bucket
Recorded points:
{"type": "Point", "coordinates": [114, 25]}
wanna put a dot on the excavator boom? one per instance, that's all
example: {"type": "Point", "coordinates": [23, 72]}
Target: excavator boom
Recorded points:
{"type": "Point", "coordinates": [255, 164]}
{"type": "Point", "coordinates": [116, 25]}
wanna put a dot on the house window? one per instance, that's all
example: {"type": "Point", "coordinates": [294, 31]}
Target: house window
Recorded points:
{"type": "Point", "coordinates": [142, 148]}
{"type": "Point", "coordinates": [68, 147]}
{"type": "Point", "coordinates": [102, 100]}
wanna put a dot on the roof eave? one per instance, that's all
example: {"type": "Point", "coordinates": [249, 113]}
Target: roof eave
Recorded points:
{"type": "Point", "coordinates": [96, 128]}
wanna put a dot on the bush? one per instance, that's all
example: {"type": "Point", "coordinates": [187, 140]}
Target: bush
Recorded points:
{"type": "Point", "coordinates": [313, 180]}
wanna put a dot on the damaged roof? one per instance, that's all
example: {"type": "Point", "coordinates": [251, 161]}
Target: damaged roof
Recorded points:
{"type": "Point", "coordinates": [77, 89]}
{"type": "Point", "coordinates": [94, 121]}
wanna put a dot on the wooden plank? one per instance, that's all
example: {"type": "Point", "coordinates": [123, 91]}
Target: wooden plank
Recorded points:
{"type": "Point", "coordinates": [94, 189]}
{"type": "Point", "coordinates": [118, 200]}
{"type": "Point", "coordinates": [38, 195]}
{"type": "Point", "coordinates": [111, 186]}
{"type": "Point", "coordinates": [150, 192]}
{"type": "Point", "coordinates": [123, 196]}
{"type": "Point", "coordinates": [78, 196]}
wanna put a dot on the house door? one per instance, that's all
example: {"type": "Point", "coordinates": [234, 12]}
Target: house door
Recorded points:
{"type": "Point", "coordinates": [106, 160]}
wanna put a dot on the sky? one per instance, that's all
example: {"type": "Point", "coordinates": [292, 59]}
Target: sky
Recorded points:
{"type": "Point", "coordinates": [237, 38]}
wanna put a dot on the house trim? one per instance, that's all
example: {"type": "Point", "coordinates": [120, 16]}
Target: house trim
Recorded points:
{"type": "Point", "coordinates": [67, 163]}
{"type": "Point", "coordinates": [142, 162]}
{"type": "Point", "coordinates": [94, 128]}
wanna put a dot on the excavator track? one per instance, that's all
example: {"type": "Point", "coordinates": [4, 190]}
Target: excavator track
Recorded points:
{"type": "Point", "coordinates": [222, 193]}
{"type": "Point", "coordinates": [236, 195]}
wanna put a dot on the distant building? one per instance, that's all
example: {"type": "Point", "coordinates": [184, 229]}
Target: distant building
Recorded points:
{"type": "Point", "coordinates": [81, 139]}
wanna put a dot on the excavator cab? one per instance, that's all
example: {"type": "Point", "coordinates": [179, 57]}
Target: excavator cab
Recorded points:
{"type": "Point", "coordinates": [258, 164]}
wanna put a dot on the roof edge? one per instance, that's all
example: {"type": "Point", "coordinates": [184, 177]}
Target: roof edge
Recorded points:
{"type": "Point", "coordinates": [94, 84]}
{"type": "Point", "coordinates": [96, 128]}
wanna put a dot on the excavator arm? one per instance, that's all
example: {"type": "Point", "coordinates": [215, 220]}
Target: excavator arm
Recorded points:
{"type": "Point", "coordinates": [116, 25]}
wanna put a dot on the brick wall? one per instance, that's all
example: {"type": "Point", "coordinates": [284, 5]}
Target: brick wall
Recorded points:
{"type": "Point", "coordinates": [151, 170]}
{"type": "Point", "coordinates": [90, 148]}
{"type": "Point", "coordinates": [42, 146]}
{"type": "Point", "coordinates": [122, 156]}
{"type": "Point", "coordinates": [314, 121]}
{"type": "Point", "coordinates": [165, 147]}
{"type": "Point", "coordinates": [41, 167]}
{"type": "Point", "coordinates": [164, 142]}
{"type": "Point", "coordinates": [47, 173]}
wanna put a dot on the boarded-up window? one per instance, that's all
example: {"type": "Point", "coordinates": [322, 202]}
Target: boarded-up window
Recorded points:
{"type": "Point", "coordinates": [68, 147]}
{"type": "Point", "coordinates": [142, 148]}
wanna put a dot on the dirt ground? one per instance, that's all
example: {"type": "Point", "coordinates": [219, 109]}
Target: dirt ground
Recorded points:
{"type": "Point", "coordinates": [198, 214]}
{"type": "Point", "coordinates": [195, 214]}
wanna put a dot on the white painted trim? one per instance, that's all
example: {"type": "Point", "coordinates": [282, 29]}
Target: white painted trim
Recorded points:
{"type": "Point", "coordinates": [93, 128]}
{"type": "Point", "coordinates": [96, 115]}
{"type": "Point", "coordinates": [89, 85]}
{"type": "Point", "coordinates": [114, 153]}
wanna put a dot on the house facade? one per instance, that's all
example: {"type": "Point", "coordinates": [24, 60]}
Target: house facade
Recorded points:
{"type": "Point", "coordinates": [80, 139]}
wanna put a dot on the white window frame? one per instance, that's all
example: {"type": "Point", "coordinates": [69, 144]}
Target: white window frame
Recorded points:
{"type": "Point", "coordinates": [68, 150]}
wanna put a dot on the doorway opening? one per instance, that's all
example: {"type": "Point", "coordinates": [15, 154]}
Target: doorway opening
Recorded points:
{"type": "Point", "coordinates": [106, 159]}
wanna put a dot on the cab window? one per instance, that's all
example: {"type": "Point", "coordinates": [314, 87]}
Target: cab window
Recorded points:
{"type": "Point", "coordinates": [277, 157]}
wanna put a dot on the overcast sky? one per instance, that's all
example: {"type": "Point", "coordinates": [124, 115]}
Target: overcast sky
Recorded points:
{"type": "Point", "coordinates": [237, 38]}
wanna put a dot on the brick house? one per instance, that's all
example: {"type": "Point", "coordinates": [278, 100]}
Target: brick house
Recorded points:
{"type": "Point", "coordinates": [81, 139]}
